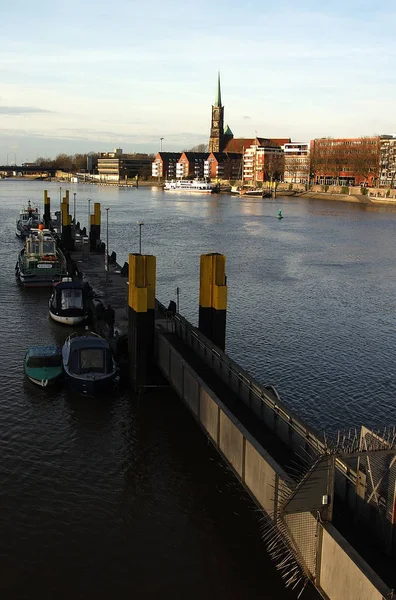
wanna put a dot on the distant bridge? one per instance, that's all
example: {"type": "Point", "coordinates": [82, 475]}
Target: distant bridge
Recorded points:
{"type": "Point", "coordinates": [29, 169]}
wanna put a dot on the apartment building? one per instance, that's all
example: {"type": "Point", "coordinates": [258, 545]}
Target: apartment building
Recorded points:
{"type": "Point", "coordinates": [191, 165]}
{"type": "Point", "coordinates": [297, 162]}
{"type": "Point", "coordinates": [164, 165]}
{"type": "Point", "coordinates": [262, 162]}
{"type": "Point", "coordinates": [116, 166]}
{"type": "Point", "coordinates": [387, 172]}
{"type": "Point", "coordinates": [223, 165]}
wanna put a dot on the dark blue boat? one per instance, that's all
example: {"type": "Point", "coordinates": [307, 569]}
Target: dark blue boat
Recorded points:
{"type": "Point", "coordinates": [68, 303]}
{"type": "Point", "coordinates": [88, 363]}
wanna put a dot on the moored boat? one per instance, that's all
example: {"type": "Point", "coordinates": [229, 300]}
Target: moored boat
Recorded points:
{"type": "Point", "coordinates": [43, 365]}
{"type": "Point", "coordinates": [29, 218]}
{"type": "Point", "coordinates": [189, 185]}
{"type": "Point", "coordinates": [40, 263]}
{"type": "Point", "coordinates": [68, 302]}
{"type": "Point", "coordinates": [88, 363]}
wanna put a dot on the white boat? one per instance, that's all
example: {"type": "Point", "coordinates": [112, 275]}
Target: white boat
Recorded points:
{"type": "Point", "coordinates": [29, 218]}
{"type": "Point", "coordinates": [189, 185]}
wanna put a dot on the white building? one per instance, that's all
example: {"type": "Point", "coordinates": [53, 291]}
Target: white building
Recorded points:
{"type": "Point", "coordinates": [296, 162]}
{"type": "Point", "coordinates": [387, 170]}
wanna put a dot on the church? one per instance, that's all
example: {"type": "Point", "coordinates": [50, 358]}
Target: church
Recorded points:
{"type": "Point", "coordinates": [252, 157]}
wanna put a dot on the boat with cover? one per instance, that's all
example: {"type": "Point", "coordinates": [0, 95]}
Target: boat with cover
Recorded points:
{"type": "Point", "coordinates": [88, 363]}
{"type": "Point", "coordinates": [68, 302]}
{"type": "Point", "coordinates": [29, 218]}
{"type": "Point", "coordinates": [189, 185]}
{"type": "Point", "coordinates": [41, 263]}
{"type": "Point", "coordinates": [43, 365]}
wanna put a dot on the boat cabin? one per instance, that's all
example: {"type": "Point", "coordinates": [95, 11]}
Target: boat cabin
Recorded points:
{"type": "Point", "coordinates": [39, 357]}
{"type": "Point", "coordinates": [88, 356]}
{"type": "Point", "coordinates": [41, 243]}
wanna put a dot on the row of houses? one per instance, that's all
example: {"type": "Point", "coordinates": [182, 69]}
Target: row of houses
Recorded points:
{"type": "Point", "coordinates": [343, 161]}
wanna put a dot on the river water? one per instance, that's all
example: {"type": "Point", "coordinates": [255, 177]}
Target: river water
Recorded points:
{"type": "Point", "coordinates": [125, 497]}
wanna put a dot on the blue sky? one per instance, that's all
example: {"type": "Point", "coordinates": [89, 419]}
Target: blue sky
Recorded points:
{"type": "Point", "coordinates": [81, 76]}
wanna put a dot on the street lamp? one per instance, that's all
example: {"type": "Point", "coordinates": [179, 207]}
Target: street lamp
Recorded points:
{"type": "Point", "coordinates": [74, 201]}
{"type": "Point", "coordinates": [89, 214]}
{"type": "Point", "coordinates": [60, 208]}
{"type": "Point", "coordinates": [107, 243]}
{"type": "Point", "coordinates": [140, 223]}
{"type": "Point", "coordinates": [161, 144]}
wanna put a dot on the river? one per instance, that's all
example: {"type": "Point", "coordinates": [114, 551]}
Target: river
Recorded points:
{"type": "Point", "coordinates": [125, 497]}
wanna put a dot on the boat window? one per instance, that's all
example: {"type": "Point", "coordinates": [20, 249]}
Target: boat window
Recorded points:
{"type": "Point", "coordinates": [92, 360]}
{"type": "Point", "coordinates": [39, 362]}
{"type": "Point", "coordinates": [48, 247]}
{"type": "Point", "coordinates": [35, 247]}
{"type": "Point", "coordinates": [71, 299]}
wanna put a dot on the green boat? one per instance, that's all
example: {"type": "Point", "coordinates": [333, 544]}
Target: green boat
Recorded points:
{"type": "Point", "coordinates": [43, 365]}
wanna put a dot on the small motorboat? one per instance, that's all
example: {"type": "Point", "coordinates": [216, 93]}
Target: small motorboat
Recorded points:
{"type": "Point", "coordinates": [29, 218]}
{"type": "Point", "coordinates": [88, 363]}
{"type": "Point", "coordinates": [43, 365]}
{"type": "Point", "coordinates": [68, 302]}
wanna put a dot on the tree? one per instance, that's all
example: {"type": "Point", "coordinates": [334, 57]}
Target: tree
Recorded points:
{"type": "Point", "coordinates": [274, 165]}
{"type": "Point", "coordinates": [199, 148]}
{"type": "Point", "coordinates": [366, 158]}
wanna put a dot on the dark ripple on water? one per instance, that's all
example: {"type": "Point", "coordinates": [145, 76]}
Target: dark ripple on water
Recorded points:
{"type": "Point", "coordinates": [99, 498]}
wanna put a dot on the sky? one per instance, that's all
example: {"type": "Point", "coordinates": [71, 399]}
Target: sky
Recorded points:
{"type": "Point", "coordinates": [94, 76]}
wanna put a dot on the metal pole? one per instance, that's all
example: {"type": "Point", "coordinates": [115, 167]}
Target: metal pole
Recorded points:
{"type": "Point", "coordinates": [178, 300]}
{"type": "Point", "coordinates": [60, 208]}
{"type": "Point", "coordinates": [74, 216]}
{"type": "Point", "coordinates": [140, 223]}
{"type": "Point", "coordinates": [89, 215]}
{"type": "Point", "coordinates": [161, 144]}
{"type": "Point", "coordinates": [107, 243]}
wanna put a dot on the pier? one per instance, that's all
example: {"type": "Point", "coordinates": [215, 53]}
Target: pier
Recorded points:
{"type": "Point", "coordinates": [327, 504]}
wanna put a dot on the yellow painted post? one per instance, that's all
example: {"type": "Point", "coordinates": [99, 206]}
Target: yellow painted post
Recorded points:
{"type": "Point", "coordinates": [213, 298]}
{"type": "Point", "coordinates": [141, 316]}
{"type": "Point", "coordinates": [47, 209]}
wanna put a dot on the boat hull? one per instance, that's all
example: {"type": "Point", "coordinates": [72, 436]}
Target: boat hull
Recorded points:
{"type": "Point", "coordinates": [90, 386]}
{"type": "Point", "coordinates": [43, 383]}
{"type": "Point", "coordinates": [68, 320]}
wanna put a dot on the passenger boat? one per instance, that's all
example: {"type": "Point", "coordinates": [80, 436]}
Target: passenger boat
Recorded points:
{"type": "Point", "coordinates": [189, 185]}
{"type": "Point", "coordinates": [40, 263]}
{"type": "Point", "coordinates": [68, 302]}
{"type": "Point", "coordinates": [29, 218]}
{"type": "Point", "coordinates": [88, 363]}
{"type": "Point", "coordinates": [43, 365]}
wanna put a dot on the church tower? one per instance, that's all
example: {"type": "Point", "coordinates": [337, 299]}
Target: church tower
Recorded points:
{"type": "Point", "coordinates": [216, 140]}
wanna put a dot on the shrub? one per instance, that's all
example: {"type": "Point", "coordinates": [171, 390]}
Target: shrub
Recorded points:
{"type": "Point", "coordinates": [387, 193]}
{"type": "Point", "coordinates": [290, 186]}
{"type": "Point", "coordinates": [344, 189]}
{"type": "Point", "coordinates": [364, 191]}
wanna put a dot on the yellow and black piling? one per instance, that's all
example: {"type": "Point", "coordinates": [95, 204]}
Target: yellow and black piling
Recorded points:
{"type": "Point", "coordinates": [94, 233]}
{"type": "Point", "coordinates": [141, 317]}
{"type": "Point", "coordinates": [47, 210]}
{"type": "Point", "coordinates": [66, 237]}
{"type": "Point", "coordinates": [213, 298]}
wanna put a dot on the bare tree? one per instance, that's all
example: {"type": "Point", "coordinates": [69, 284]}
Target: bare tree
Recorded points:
{"type": "Point", "coordinates": [198, 148]}
{"type": "Point", "coordinates": [274, 166]}
{"type": "Point", "coordinates": [365, 160]}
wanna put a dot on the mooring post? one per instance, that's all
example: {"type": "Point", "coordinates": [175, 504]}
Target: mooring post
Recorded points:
{"type": "Point", "coordinates": [219, 301]}
{"type": "Point", "coordinates": [66, 229]}
{"type": "Point", "coordinates": [205, 295]}
{"type": "Point", "coordinates": [141, 317]}
{"type": "Point", "coordinates": [213, 298]}
{"type": "Point", "coordinates": [47, 209]}
{"type": "Point", "coordinates": [94, 234]}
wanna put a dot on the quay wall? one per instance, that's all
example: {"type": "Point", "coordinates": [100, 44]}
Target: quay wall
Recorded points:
{"type": "Point", "coordinates": [337, 571]}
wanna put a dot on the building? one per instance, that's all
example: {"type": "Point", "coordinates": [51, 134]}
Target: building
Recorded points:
{"type": "Point", "coordinates": [345, 161]}
{"type": "Point", "coordinates": [116, 166]}
{"type": "Point", "coordinates": [387, 171]}
{"type": "Point", "coordinates": [164, 165]}
{"type": "Point", "coordinates": [191, 165]}
{"type": "Point", "coordinates": [297, 162]}
{"type": "Point", "coordinates": [262, 161]}
{"type": "Point", "coordinates": [223, 165]}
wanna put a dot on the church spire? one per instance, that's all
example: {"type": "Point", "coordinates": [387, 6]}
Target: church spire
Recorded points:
{"type": "Point", "coordinates": [218, 94]}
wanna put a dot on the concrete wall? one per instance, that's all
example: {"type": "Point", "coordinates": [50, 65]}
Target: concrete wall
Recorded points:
{"type": "Point", "coordinates": [342, 574]}
{"type": "Point", "coordinates": [267, 483]}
